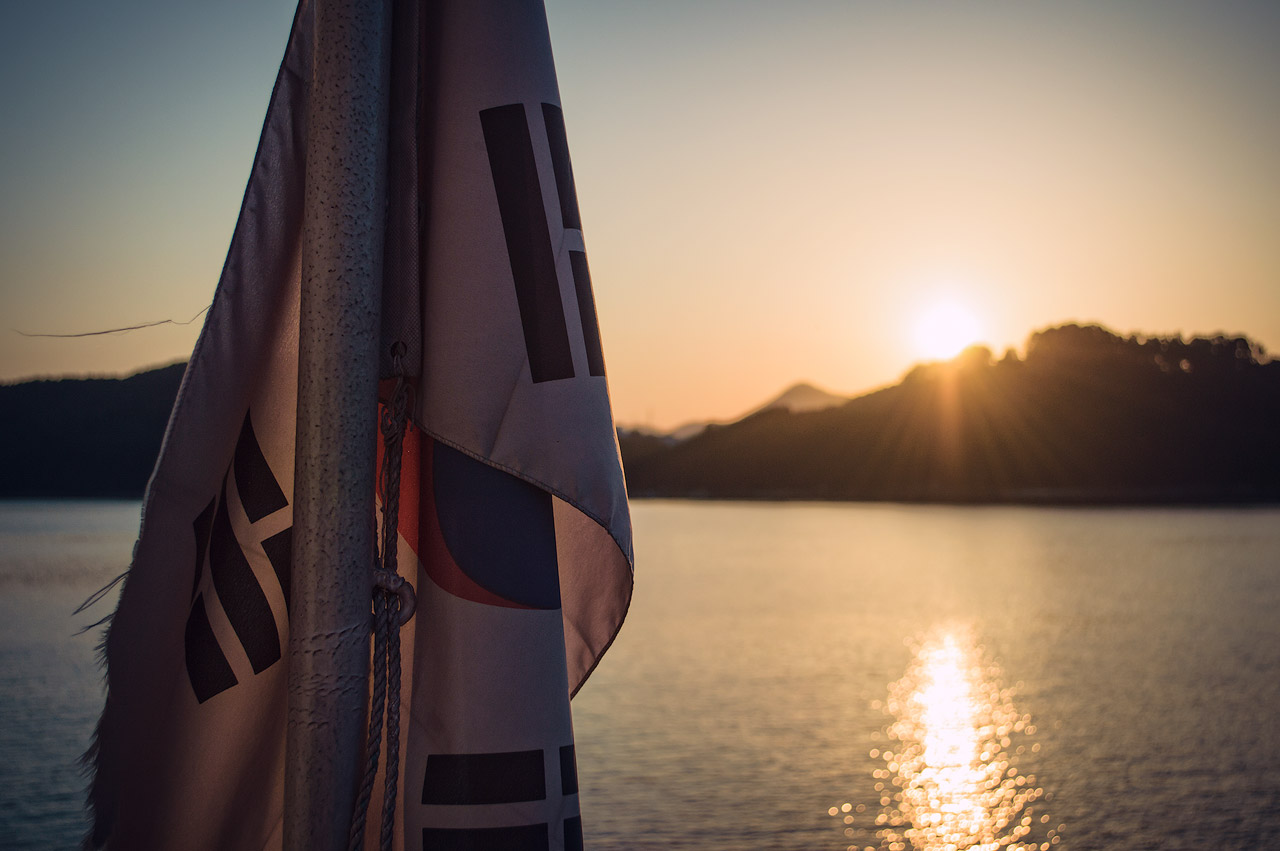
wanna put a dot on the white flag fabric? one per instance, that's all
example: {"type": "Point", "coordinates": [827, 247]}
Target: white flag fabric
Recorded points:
{"type": "Point", "coordinates": [514, 527]}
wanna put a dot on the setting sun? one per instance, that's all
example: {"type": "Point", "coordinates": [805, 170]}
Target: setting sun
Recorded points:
{"type": "Point", "coordinates": [944, 330]}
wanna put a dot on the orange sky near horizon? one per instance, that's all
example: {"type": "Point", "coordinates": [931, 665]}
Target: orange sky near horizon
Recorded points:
{"type": "Point", "coordinates": [770, 192]}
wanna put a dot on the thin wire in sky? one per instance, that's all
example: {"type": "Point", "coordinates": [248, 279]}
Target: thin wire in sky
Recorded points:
{"type": "Point", "coordinates": [203, 310]}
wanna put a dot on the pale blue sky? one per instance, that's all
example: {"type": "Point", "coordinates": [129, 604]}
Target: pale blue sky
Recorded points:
{"type": "Point", "coordinates": [770, 191]}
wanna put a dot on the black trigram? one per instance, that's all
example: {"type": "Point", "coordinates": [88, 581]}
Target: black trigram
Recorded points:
{"type": "Point", "coordinates": [234, 581]}
{"type": "Point", "coordinates": [529, 247]}
{"type": "Point", "coordinates": [497, 778]}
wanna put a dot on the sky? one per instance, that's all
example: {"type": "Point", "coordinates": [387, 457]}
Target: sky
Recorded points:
{"type": "Point", "coordinates": [770, 192]}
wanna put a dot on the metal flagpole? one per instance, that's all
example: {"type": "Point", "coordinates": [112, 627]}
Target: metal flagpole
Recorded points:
{"type": "Point", "coordinates": [334, 479]}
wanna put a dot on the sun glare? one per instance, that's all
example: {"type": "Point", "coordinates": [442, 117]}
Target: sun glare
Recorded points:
{"type": "Point", "coordinates": [944, 330]}
{"type": "Point", "coordinates": [956, 774]}
{"type": "Point", "coordinates": [956, 762]}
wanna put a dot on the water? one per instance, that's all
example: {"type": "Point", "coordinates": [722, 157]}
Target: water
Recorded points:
{"type": "Point", "coordinates": [52, 557]}
{"type": "Point", "coordinates": [745, 696]}
{"type": "Point", "coordinates": [824, 676]}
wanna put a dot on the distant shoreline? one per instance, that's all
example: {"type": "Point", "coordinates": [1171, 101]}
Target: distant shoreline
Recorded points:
{"type": "Point", "coordinates": [1085, 418]}
{"type": "Point", "coordinates": [1047, 502]}
{"type": "Point", "coordinates": [70, 497]}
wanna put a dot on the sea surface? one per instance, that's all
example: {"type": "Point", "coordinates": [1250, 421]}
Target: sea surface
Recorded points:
{"type": "Point", "coordinates": [824, 676]}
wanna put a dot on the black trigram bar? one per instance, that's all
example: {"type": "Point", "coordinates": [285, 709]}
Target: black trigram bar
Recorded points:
{"type": "Point", "coordinates": [202, 525]}
{"type": "Point", "coordinates": [246, 606]}
{"type": "Point", "coordinates": [524, 223]}
{"type": "Point", "coordinates": [279, 550]}
{"type": "Point", "coordinates": [573, 834]}
{"type": "Point", "coordinates": [558, 140]}
{"type": "Point", "coordinates": [525, 837]}
{"type": "Point", "coordinates": [587, 312]}
{"type": "Point", "coordinates": [207, 667]}
{"type": "Point", "coordinates": [260, 493]}
{"type": "Point", "coordinates": [484, 778]}
{"type": "Point", "coordinates": [568, 771]}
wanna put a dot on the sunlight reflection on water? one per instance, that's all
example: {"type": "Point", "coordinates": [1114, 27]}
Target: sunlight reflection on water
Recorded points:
{"type": "Point", "coordinates": [951, 779]}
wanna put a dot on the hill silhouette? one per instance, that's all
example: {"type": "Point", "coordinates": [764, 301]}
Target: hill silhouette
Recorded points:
{"type": "Point", "coordinates": [800, 396]}
{"type": "Point", "coordinates": [91, 437]}
{"type": "Point", "coordinates": [1088, 416]}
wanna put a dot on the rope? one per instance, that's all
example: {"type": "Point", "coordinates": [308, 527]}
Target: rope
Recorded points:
{"type": "Point", "coordinates": [393, 605]}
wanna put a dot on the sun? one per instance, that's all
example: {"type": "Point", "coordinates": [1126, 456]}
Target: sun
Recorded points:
{"type": "Point", "coordinates": [944, 330]}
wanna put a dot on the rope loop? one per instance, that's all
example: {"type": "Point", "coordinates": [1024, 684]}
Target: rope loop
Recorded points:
{"type": "Point", "coordinates": [394, 583]}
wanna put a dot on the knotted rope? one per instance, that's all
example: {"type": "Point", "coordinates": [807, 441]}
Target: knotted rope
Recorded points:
{"type": "Point", "coordinates": [393, 605]}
